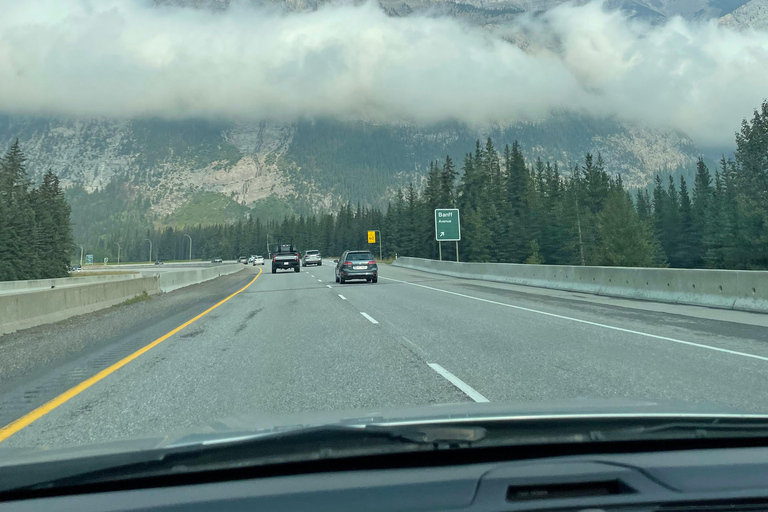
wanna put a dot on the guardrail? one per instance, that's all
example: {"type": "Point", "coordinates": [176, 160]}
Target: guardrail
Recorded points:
{"type": "Point", "coordinates": [28, 309]}
{"type": "Point", "coordinates": [742, 290]}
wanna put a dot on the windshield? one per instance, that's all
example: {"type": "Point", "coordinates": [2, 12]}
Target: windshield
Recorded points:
{"type": "Point", "coordinates": [545, 208]}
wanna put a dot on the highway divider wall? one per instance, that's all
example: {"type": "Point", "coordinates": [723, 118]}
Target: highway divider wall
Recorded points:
{"type": "Point", "coordinates": [39, 284]}
{"type": "Point", "coordinates": [169, 281]}
{"type": "Point", "coordinates": [24, 310]}
{"type": "Point", "coordinates": [28, 309]}
{"type": "Point", "coordinates": [742, 290]}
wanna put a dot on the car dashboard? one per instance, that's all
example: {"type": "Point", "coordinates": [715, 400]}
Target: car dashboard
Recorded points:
{"type": "Point", "coordinates": [729, 479]}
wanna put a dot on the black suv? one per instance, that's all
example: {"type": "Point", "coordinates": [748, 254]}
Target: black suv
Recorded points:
{"type": "Point", "coordinates": [356, 265]}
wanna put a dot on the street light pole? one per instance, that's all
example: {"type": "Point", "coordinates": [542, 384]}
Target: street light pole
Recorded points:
{"type": "Point", "coordinates": [190, 247]}
{"type": "Point", "coordinates": [150, 249]}
{"type": "Point", "coordinates": [81, 254]}
{"type": "Point", "coordinates": [118, 252]}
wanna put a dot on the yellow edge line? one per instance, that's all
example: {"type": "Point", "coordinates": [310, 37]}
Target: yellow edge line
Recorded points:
{"type": "Point", "coordinates": [13, 427]}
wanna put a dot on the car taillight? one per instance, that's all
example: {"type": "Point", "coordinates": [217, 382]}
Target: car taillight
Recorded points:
{"type": "Point", "coordinates": [347, 262]}
{"type": "Point", "coordinates": [371, 262]}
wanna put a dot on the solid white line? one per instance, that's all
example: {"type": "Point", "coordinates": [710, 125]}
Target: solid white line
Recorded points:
{"type": "Point", "coordinates": [587, 322]}
{"type": "Point", "coordinates": [463, 386]}
{"type": "Point", "coordinates": [369, 317]}
{"type": "Point", "coordinates": [342, 297]}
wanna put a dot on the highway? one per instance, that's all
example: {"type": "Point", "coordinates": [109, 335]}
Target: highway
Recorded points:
{"type": "Point", "coordinates": [262, 343]}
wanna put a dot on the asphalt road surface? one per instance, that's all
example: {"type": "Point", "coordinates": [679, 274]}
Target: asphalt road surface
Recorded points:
{"type": "Point", "coordinates": [293, 342]}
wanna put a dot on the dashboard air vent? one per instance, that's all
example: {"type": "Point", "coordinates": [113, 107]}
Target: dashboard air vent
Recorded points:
{"type": "Point", "coordinates": [567, 490]}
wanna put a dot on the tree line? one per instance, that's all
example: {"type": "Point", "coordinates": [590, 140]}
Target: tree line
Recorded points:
{"type": "Point", "coordinates": [35, 229]}
{"type": "Point", "coordinates": [534, 212]}
{"type": "Point", "coordinates": [512, 210]}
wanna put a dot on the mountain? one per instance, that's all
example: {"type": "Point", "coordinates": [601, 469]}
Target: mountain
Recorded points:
{"type": "Point", "coordinates": [499, 11]}
{"type": "Point", "coordinates": [185, 172]}
{"type": "Point", "coordinates": [311, 165]}
{"type": "Point", "coordinates": [753, 14]}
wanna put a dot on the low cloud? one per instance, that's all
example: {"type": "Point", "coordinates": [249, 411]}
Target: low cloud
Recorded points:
{"type": "Point", "coordinates": [125, 58]}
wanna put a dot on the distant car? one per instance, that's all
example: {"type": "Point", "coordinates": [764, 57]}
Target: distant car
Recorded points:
{"type": "Point", "coordinates": [217, 260]}
{"type": "Point", "coordinates": [242, 259]}
{"type": "Point", "coordinates": [312, 258]}
{"type": "Point", "coordinates": [258, 260]}
{"type": "Point", "coordinates": [76, 268]}
{"type": "Point", "coordinates": [158, 262]}
{"type": "Point", "coordinates": [356, 265]}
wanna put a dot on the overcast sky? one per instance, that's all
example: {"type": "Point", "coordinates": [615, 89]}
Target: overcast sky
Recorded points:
{"type": "Point", "coordinates": [128, 58]}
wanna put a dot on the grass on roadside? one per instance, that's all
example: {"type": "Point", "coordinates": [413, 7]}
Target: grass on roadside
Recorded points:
{"type": "Point", "coordinates": [139, 298]}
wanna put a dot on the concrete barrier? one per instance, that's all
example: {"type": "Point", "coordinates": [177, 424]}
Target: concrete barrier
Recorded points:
{"type": "Point", "coordinates": [31, 308]}
{"type": "Point", "coordinates": [79, 280]}
{"type": "Point", "coordinates": [169, 281]}
{"type": "Point", "coordinates": [23, 310]}
{"type": "Point", "coordinates": [742, 290]}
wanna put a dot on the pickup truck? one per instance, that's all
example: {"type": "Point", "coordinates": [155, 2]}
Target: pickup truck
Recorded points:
{"type": "Point", "coordinates": [286, 257]}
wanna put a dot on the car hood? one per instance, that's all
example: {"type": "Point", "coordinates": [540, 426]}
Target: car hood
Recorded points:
{"type": "Point", "coordinates": [259, 423]}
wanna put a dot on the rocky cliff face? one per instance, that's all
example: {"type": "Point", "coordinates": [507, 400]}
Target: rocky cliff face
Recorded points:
{"type": "Point", "coordinates": [753, 14]}
{"type": "Point", "coordinates": [316, 163]}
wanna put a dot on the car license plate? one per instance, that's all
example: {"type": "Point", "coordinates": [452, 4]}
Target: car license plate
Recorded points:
{"type": "Point", "coordinates": [360, 267]}
{"type": "Point", "coordinates": [285, 263]}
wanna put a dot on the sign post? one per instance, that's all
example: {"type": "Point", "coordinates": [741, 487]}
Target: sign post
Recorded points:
{"type": "Point", "coordinates": [372, 239]}
{"type": "Point", "coordinates": [447, 228]}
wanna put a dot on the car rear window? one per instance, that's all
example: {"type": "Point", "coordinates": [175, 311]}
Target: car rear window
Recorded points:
{"type": "Point", "coordinates": [313, 252]}
{"type": "Point", "coordinates": [359, 256]}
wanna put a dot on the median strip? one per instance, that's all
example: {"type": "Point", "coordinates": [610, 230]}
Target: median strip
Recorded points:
{"type": "Point", "coordinates": [29, 418]}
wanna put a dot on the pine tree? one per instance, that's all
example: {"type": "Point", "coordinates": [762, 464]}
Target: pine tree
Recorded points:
{"type": "Point", "coordinates": [624, 239]}
{"type": "Point", "coordinates": [18, 240]}
{"type": "Point", "coordinates": [477, 238]}
{"type": "Point", "coordinates": [448, 183]}
{"type": "Point", "coordinates": [687, 244]}
{"type": "Point", "coordinates": [701, 211]}
{"type": "Point", "coordinates": [596, 183]}
{"type": "Point", "coordinates": [52, 213]}
{"type": "Point", "coordinates": [643, 205]}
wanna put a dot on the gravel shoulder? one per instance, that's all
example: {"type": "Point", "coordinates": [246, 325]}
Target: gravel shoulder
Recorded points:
{"type": "Point", "coordinates": [33, 351]}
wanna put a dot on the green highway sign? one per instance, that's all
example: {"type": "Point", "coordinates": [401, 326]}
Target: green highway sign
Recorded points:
{"type": "Point", "coordinates": [447, 227]}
